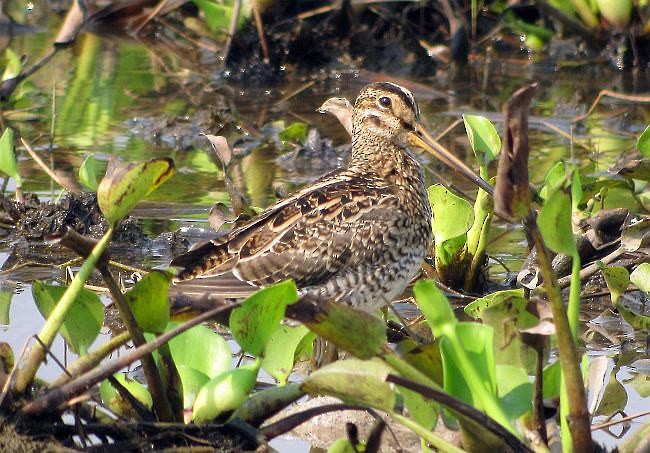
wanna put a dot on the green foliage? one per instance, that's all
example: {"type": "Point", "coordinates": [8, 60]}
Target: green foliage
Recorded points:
{"type": "Point", "coordinates": [357, 382]}
{"type": "Point", "coordinates": [296, 132]}
{"type": "Point", "coordinates": [8, 163]}
{"type": "Point", "coordinates": [256, 320]}
{"type": "Point", "coordinates": [483, 139]}
{"type": "Point", "coordinates": [114, 401]}
{"type": "Point", "coordinates": [281, 349]}
{"type": "Point", "coordinates": [125, 185]}
{"type": "Point", "coordinates": [13, 66]}
{"type": "Point", "coordinates": [87, 172]}
{"type": "Point", "coordinates": [148, 301]}
{"type": "Point", "coordinates": [641, 277]}
{"type": "Point", "coordinates": [84, 319]}
{"type": "Point", "coordinates": [643, 143]}
{"type": "Point", "coordinates": [225, 393]}
{"type": "Point", "coordinates": [219, 14]}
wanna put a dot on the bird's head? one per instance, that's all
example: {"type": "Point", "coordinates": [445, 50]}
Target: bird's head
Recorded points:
{"type": "Point", "coordinates": [387, 111]}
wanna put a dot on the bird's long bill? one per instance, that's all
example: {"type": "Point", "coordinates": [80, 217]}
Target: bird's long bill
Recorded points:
{"type": "Point", "coordinates": [421, 138]}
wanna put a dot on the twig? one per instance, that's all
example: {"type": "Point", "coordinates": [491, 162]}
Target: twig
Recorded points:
{"type": "Point", "coordinates": [57, 396]}
{"type": "Point", "coordinates": [231, 30]}
{"type": "Point", "coordinates": [592, 268]}
{"type": "Point", "coordinates": [260, 31]}
{"type": "Point", "coordinates": [615, 95]}
{"type": "Point", "coordinates": [45, 168]}
{"type": "Point", "coordinates": [161, 4]}
{"type": "Point", "coordinates": [619, 420]}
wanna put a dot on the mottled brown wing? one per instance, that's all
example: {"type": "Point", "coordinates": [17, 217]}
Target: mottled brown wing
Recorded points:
{"type": "Point", "coordinates": [308, 237]}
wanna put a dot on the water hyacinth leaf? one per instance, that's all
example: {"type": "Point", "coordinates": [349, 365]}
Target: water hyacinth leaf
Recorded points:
{"type": "Point", "coordinates": [193, 380]}
{"type": "Point", "coordinates": [423, 411]}
{"type": "Point", "coordinates": [507, 314]}
{"type": "Point", "coordinates": [555, 224]}
{"type": "Point", "coordinates": [428, 360]}
{"type": "Point", "coordinates": [280, 351]}
{"type": "Point", "coordinates": [515, 390]}
{"type": "Point", "coordinates": [263, 404]}
{"type": "Point", "coordinates": [614, 397]}
{"type": "Point", "coordinates": [435, 307]}
{"type": "Point", "coordinates": [221, 148]}
{"type": "Point", "coordinates": [5, 306]}
{"type": "Point", "coordinates": [13, 65]}
{"type": "Point", "coordinates": [225, 393]}
{"type": "Point", "coordinates": [617, 279]}
{"type": "Point", "coordinates": [452, 215]}
{"type": "Point", "coordinates": [477, 340]}
{"type": "Point", "coordinates": [483, 138]}
{"type": "Point", "coordinates": [361, 334]}
{"type": "Point", "coordinates": [616, 12]}
{"type": "Point", "coordinates": [636, 236]}
{"type": "Point", "coordinates": [87, 172]}
{"type": "Point", "coordinates": [296, 132]}
{"type": "Point", "coordinates": [354, 381]}
{"type": "Point", "coordinates": [254, 322]}
{"type": "Point", "coordinates": [219, 14]}
{"type": "Point", "coordinates": [115, 402]}
{"type": "Point", "coordinates": [551, 380]}
{"type": "Point", "coordinates": [201, 349]}
{"type": "Point", "coordinates": [555, 179]}
{"type": "Point", "coordinates": [643, 142]}
{"type": "Point", "coordinates": [8, 163]}
{"type": "Point", "coordinates": [475, 307]}
{"type": "Point", "coordinates": [632, 310]}
{"type": "Point", "coordinates": [641, 277]}
{"type": "Point", "coordinates": [148, 300]}
{"type": "Point", "coordinates": [124, 186]}
{"type": "Point", "coordinates": [84, 319]}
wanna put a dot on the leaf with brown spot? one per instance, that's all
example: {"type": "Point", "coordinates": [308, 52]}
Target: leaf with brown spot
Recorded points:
{"type": "Point", "coordinates": [512, 193]}
{"type": "Point", "coordinates": [124, 186]}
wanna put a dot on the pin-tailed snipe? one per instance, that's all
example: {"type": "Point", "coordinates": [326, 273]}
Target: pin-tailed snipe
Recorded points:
{"type": "Point", "coordinates": [357, 235]}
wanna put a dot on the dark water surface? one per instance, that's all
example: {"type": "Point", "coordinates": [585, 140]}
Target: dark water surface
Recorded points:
{"type": "Point", "coordinates": [139, 100]}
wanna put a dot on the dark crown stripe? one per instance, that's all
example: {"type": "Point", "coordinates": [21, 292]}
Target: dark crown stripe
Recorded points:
{"type": "Point", "coordinates": [402, 92]}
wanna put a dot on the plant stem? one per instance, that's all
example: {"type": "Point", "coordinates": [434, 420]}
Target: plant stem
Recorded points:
{"type": "Point", "coordinates": [573, 311]}
{"type": "Point", "coordinates": [36, 355]}
{"type": "Point", "coordinates": [161, 405]}
{"type": "Point", "coordinates": [438, 442]}
{"type": "Point", "coordinates": [578, 419]}
{"type": "Point", "coordinates": [585, 13]}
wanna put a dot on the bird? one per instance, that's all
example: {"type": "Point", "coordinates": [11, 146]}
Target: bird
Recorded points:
{"type": "Point", "coordinates": [356, 236]}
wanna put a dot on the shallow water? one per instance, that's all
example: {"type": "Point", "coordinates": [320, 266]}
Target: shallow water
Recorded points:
{"type": "Point", "coordinates": [138, 100]}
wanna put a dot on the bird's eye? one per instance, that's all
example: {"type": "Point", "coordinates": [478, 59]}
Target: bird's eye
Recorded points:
{"type": "Point", "coordinates": [384, 101]}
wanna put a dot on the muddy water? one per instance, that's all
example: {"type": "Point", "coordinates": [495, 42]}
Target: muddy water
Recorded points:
{"type": "Point", "coordinates": [139, 100]}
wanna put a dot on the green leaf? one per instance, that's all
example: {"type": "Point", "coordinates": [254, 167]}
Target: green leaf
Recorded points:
{"type": "Point", "coordinates": [280, 351]}
{"type": "Point", "coordinates": [296, 132]}
{"type": "Point", "coordinates": [641, 277]}
{"type": "Point", "coordinates": [83, 321]}
{"type": "Point", "coordinates": [643, 142]}
{"type": "Point", "coordinates": [201, 349]}
{"type": "Point", "coordinates": [476, 307]}
{"type": "Point", "coordinates": [555, 224]}
{"type": "Point", "coordinates": [435, 307]}
{"type": "Point", "coordinates": [148, 301]}
{"type": "Point", "coordinates": [422, 410]}
{"type": "Point", "coordinates": [8, 163]}
{"type": "Point", "coordinates": [361, 334]}
{"type": "Point", "coordinates": [218, 14]}
{"type": "Point", "coordinates": [614, 397]}
{"type": "Point", "coordinates": [515, 390]}
{"type": "Point", "coordinates": [125, 185]}
{"type": "Point", "coordinates": [476, 340]}
{"type": "Point", "coordinates": [483, 138]}
{"type": "Point", "coordinates": [5, 306]}
{"type": "Point", "coordinates": [87, 172]}
{"type": "Point", "coordinates": [555, 178]}
{"type": "Point", "coordinates": [452, 215]}
{"type": "Point", "coordinates": [254, 322]}
{"type": "Point", "coordinates": [551, 380]}
{"type": "Point", "coordinates": [225, 393]}
{"type": "Point", "coordinates": [14, 66]}
{"type": "Point", "coordinates": [192, 380]}
{"type": "Point", "coordinates": [507, 313]}
{"type": "Point", "coordinates": [115, 402]}
{"type": "Point", "coordinates": [354, 381]}
{"type": "Point", "coordinates": [617, 279]}
{"type": "Point", "coordinates": [343, 445]}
